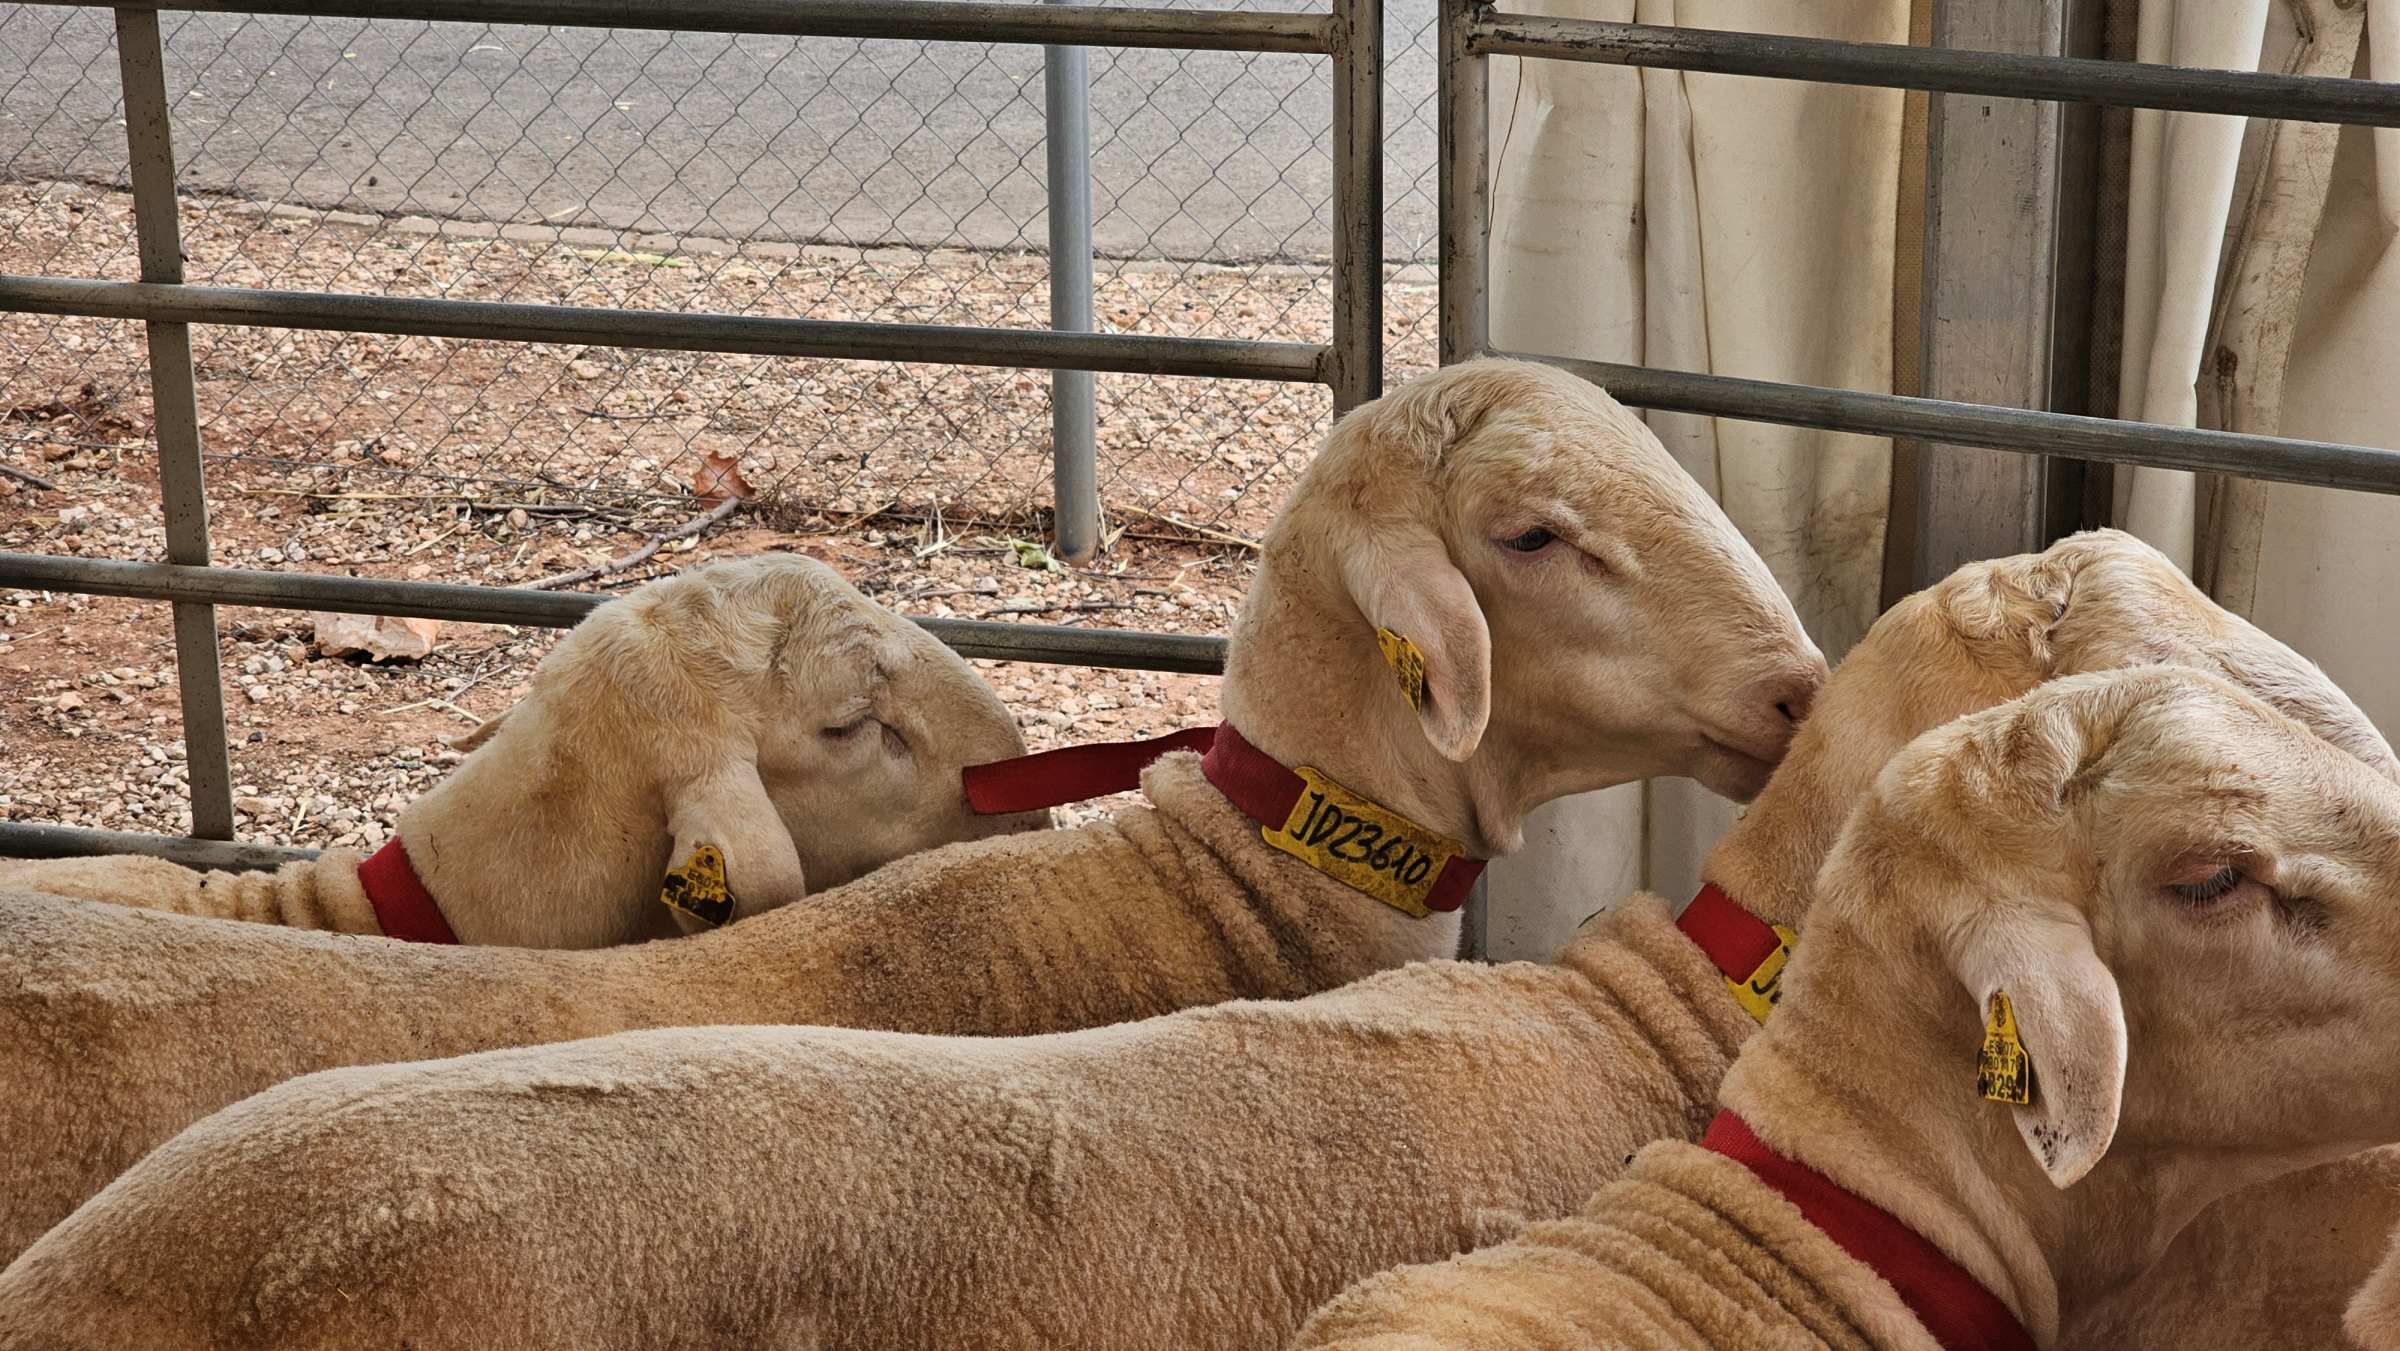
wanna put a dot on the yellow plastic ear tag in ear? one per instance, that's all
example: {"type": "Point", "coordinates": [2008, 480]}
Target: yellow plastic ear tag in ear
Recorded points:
{"type": "Point", "coordinates": [1363, 845]}
{"type": "Point", "coordinates": [1407, 663]}
{"type": "Point", "coordinates": [2003, 1072]}
{"type": "Point", "coordinates": [1758, 993]}
{"type": "Point", "coordinates": [698, 887]}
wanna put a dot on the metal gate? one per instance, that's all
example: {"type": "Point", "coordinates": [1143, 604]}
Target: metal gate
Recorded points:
{"type": "Point", "coordinates": [1349, 35]}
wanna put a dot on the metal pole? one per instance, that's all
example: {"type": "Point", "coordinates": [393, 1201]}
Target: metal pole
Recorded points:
{"type": "Point", "coordinates": [1075, 471]}
{"type": "Point", "coordinates": [175, 413]}
{"type": "Point", "coordinates": [995, 639]}
{"type": "Point", "coordinates": [1213, 30]}
{"type": "Point", "coordinates": [670, 330]}
{"type": "Point", "coordinates": [1357, 203]}
{"type": "Point", "coordinates": [1466, 184]}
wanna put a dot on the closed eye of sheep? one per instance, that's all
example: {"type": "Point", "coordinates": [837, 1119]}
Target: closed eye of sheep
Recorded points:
{"type": "Point", "coordinates": [2184, 1043]}
{"type": "Point", "coordinates": [685, 714]}
{"type": "Point", "coordinates": [1098, 1190]}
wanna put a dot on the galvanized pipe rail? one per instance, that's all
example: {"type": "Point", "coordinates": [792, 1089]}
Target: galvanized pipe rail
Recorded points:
{"type": "Point", "coordinates": [1349, 35]}
{"type": "Point", "coordinates": [997, 640]}
{"type": "Point", "coordinates": [1472, 31]}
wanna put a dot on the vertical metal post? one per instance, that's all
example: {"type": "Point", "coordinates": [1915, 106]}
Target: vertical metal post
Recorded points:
{"type": "Point", "coordinates": [1357, 203]}
{"type": "Point", "coordinates": [1067, 113]}
{"type": "Point", "coordinates": [175, 413]}
{"type": "Point", "coordinates": [1992, 240]}
{"type": "Point", "coordinates": [1463, 167]}
{"type": "Point", "coordinates": [1466, 185]}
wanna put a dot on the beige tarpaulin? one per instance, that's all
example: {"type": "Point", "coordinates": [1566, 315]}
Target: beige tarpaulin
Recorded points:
{"type": "Point", "coordinates": [2263, 294]}
{"type": "Point", "coordinates": [1709, 223]}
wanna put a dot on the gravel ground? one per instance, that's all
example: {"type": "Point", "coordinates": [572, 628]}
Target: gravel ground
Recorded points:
{"type": "Point", "coordinates": [500, 464]}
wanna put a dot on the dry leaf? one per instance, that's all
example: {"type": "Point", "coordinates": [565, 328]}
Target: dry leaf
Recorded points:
{"type": "Point", "coordinates": [717, 478]}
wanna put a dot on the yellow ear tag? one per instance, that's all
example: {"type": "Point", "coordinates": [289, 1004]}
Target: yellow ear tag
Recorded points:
{"type": "Point", "coordinates": [2003, 1072]}
{"type": "Point", "coordinates": [1407, 663]}
{"type": "Point", "coordinates": [698, 887]}
{"type": "Point", "coordinates": [1758, 993]}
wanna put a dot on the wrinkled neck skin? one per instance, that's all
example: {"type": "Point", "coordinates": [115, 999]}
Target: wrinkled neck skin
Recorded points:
{"type": "Point", "coordinates": [1768, 861]}
{"type": "Point", "coordinates": [1305, 683]}
{"type": "Point", "coordinates": [1866, 1073]}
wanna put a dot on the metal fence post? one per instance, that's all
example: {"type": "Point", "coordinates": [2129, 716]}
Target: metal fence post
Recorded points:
{"type": "Point", "coordinates": [175, 416]}
{"type": "Point", "coordinates": [1465, 180]}
{"type": "Point", "coordinates": [1357, 203]}
{"type": "Point", "coordinates": [1067, 135]}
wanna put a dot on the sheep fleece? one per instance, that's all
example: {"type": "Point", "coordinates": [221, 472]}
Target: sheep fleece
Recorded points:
{"type": "Point", "coordinates": [321, 893]}
{"type": "Point", "coordinates": [1197, 1181]}
{"type": "Point", "coordinates": [1687, 1250]}
{"type": "Point", "coordinates": [119, 1027]}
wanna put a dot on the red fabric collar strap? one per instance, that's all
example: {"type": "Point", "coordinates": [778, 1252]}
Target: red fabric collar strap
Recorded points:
{"type": "Point", "coordinates": [1266, 792]}
{"type": "Point", "coordinates": [1954, 1307]}
{"type": "Point", "coordinates": [403, 906]}
{"type": "Point", "coordinates": [1072, 774]}
{"type": "Point", "coordinates": [1736, 940]}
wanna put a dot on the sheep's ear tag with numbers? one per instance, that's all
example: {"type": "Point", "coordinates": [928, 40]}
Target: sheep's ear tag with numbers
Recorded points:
{"type": "Point", "coordinates": [1759, 991]}
{"type": "Point", "coordinates": [1363, 845]}
{"type": "Point", "coordinates": [1407, 663]}
{"type": "Point", "coordinates": [698, 887]}
{"type": "Point", "coordinates": [2003, 1071]}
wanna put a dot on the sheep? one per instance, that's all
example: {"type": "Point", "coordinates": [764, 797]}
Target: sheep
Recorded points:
{"type": "Point", "coordinates": [1200, 1180]}
{"type": "Point", "coordinates": [2373, 1317]}
{"type": "Point", "coordinates": [1576, 613]}
{"type": "Point", "coordinates": [2177, 906]}
{"type": "Point", "coordinates": [713, 710]}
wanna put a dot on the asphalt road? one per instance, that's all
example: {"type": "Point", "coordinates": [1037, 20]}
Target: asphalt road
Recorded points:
{"type": "Point", "coordinates": [1196, 154]}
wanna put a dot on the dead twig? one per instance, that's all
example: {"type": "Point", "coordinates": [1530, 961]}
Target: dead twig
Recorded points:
{"type": "Point", "coordinates": [641, 555]}
{"type": "Point", "coordinates": [29, 477]}
{"type": "Point", "coordinates": [1079, 608]}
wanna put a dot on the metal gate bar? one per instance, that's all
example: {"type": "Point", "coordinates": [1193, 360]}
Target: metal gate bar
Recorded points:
{"type": "Point", "coordinates": [1473, 31]}
{"type": "Point", "coordinates": [1350, 365]}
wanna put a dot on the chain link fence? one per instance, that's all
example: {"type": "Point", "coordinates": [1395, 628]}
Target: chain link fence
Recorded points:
{"type": "Point", "coordinates": [822, 178]}
{"type": "Point", "coordinates": [678, 172]}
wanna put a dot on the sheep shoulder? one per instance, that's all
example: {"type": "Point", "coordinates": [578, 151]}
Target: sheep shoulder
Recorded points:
{"type": "Point", "coordinates": [1688, 1249]}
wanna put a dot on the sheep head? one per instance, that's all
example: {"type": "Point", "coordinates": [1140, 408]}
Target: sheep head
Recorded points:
{"type": "Point", "coordinates": [742, 732]}
{"type": "Point", "coordinates": [1571, 610]}
{"type": "Point", "coordinates": [1989, 632]}
{"type": "Point", "coordinates": [2191, 901]}
{"type": "Point", "coordinates": [2192, 904]}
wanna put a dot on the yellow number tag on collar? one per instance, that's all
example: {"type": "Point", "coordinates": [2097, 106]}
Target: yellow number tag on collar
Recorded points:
{"type": "Point", "coordinates": [1407, 663]}
{"type": "Point", "coordinates": [698, 887]}
{"type": "Point", "coordinates": [1363, 845]}
{"type": "Point", "coordinates": [1758, 993]}
{"type": "Point", "coordinates": [2003, 1072]}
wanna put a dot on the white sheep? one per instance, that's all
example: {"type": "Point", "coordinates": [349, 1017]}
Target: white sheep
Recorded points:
{"type": "Point", "coordinates": [2169, 916]}
{"type": "Point", "coordinates": [1579, 614]}
{"type": "Point", "coordinates": [1199, 1180]}
{"type": "Point", "coordinates": [761, 709]}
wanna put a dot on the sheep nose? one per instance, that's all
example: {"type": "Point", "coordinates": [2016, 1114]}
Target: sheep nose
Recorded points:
{"type": "Point", "coordinates": [1792, 694]}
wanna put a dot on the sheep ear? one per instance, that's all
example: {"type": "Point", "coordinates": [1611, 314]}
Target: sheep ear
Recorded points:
{"type": "Point", "coordinates": [732, 856]}
{"type": "Point", "coordinates": [480, 732]}
{"type": "Point", "coordinates": [1431, 630]}
{"type": "Point", "coordinates": [2035, 965]}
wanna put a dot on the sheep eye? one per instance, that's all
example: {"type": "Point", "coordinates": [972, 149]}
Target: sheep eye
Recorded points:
{"type": "Point", "coordinates": [2217, 884]}
{"type": "Point", "coordinates": [846, 730]}
{"type": "Point", "coordinates": [1531, 542]}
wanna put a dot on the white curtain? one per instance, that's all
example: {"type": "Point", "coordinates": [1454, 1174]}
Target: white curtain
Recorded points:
{"type": "Point", "coordinates": [2263, 294]}
{"type": "Point", "coordinates": [1708, 223]}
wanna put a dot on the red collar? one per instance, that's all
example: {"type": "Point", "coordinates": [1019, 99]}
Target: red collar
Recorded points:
{"type": "Point", "coordinates": [1072, 774]}
{"type": "Point", "coordinates": [1736, 940]}
{"type": "Point", "coordinates": [1954, 1307]}
{"type": "Point", "coordinates": [1260, 786]}
{"type": "Point", "coordinates": [403, 906]}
